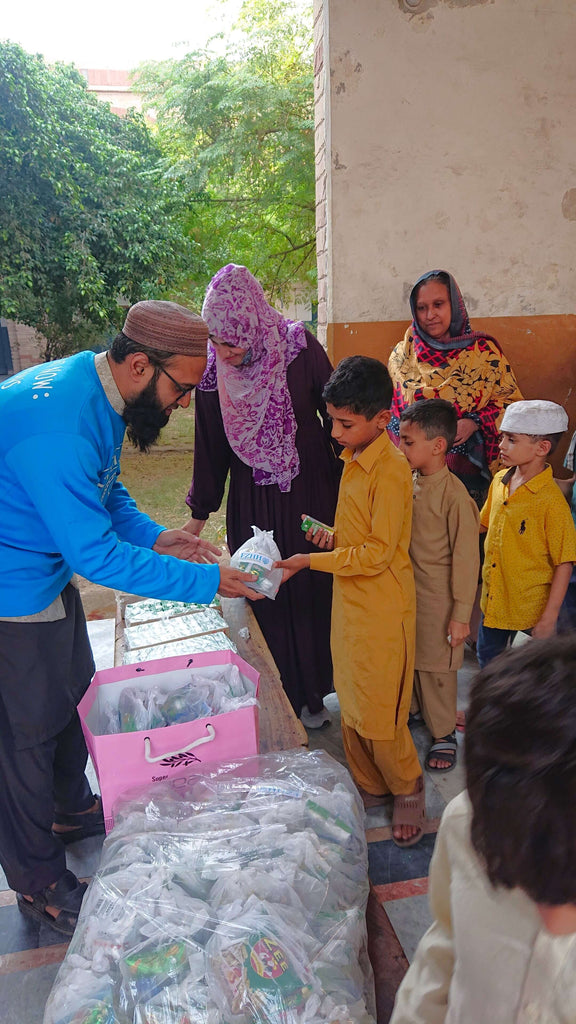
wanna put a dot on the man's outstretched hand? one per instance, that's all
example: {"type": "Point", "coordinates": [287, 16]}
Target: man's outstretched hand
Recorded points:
{"type": "Point", "coordinates": [181, 544]}
{"type": "Point", "coordinates": [233, 584]}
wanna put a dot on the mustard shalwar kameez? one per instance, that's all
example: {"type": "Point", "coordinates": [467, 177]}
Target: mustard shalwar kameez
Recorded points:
{"type": "Point", "coordinates": [373, 616]}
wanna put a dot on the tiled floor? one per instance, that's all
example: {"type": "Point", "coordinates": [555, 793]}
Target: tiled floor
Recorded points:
{"type": "Point", "coordinates": [398, 913]}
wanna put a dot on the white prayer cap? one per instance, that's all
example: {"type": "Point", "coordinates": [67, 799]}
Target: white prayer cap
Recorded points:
{"type": "Point", "coordinates": [534, 417]}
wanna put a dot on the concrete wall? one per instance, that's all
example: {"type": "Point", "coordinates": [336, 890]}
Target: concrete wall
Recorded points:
{"type": "Point", "coordinates": [446, 138]}
{"type": "Point", "coordinates": [26, 345]}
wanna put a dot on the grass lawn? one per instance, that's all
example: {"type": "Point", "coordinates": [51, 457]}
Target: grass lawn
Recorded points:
{"type": "Point", "coordinates": [159, 481]}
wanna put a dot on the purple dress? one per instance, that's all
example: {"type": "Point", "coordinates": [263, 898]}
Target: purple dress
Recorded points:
{"type": "Point", "coordinates": [296, 625]}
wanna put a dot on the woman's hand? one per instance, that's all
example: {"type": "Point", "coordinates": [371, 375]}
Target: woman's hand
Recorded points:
{"type": "Point", "coordinates": [466, 428]}
{"type": "Point", "coordinates": [182, 544]}
{"type": "Point", "coordinates": [291, 566]}
{"type": "Point", "coordinates": [195, 526]}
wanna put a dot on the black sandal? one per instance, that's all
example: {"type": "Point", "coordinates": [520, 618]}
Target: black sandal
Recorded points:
{"type": "Point", "coordinates": [85, 824]}
{"type": "Point", "coordinates": [444, 749]}
{"type": "Point", "coordinates": [66, 896]}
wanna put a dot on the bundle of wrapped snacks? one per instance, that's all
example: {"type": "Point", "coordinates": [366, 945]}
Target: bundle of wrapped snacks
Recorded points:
{"type": "Point", "coordinates": [237, 900]}
{"type": "Point", "coordinates": [191, 645]}
{"type": "Point", "coordinates": [160, 631]}
{"type": "Point", "coordinates": [140, 707]}
{"type": "Point", "coordinates": [151, 608]}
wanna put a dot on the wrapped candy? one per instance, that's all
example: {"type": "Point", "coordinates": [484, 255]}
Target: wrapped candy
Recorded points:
{"type": "Point", "coordinates": [239, 899]}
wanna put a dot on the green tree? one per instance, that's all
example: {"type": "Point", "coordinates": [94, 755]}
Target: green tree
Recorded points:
{"type": "Point", "coordinates": [86, 216]}
{"type": "Point", "coordinates": [238, 132]}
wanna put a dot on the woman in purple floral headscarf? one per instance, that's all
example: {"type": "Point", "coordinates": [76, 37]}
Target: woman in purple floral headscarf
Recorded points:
{"type": "Point", "coordinates": [261, 418]}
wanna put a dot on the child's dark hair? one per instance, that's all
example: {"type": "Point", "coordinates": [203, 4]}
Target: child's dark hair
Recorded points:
{"type": "Point", "coordinates": [553, 438]}
{"type": "Point", "coordinates": [435, 416]}
{"type": "Point", "coordinates": [360, 384]}
{"type": "Point", "coordinates": [521, 769]}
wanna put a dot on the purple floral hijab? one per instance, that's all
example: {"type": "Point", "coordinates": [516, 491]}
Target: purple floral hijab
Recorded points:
{"type": "Point", "coordinates": [254, 398]}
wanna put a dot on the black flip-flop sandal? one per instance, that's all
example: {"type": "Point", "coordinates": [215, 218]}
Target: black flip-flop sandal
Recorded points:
{"type": "Point", "coordinates": [84, 825]}
{"type": "Point", "coordinates": [66, 896]}
{"type": "Point", "coordinates": [444, 749]}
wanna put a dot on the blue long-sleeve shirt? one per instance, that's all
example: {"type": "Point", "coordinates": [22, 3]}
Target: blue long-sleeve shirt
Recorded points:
{"type": "Point", "coordinates": [62, 507]}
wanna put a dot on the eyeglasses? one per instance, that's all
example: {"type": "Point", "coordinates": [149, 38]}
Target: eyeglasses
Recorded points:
{"type": "Point", "coordinates": [183, 389]}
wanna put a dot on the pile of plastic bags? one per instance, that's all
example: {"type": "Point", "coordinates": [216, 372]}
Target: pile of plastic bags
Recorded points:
{"type": "Point", "coordinates": [240, 900]}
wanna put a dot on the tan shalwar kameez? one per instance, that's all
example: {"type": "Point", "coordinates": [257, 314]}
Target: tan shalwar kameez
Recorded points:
{"type": "Point", "coordinates": [445, 556]}
{"type": "Point", "coordinates": [373, 617]}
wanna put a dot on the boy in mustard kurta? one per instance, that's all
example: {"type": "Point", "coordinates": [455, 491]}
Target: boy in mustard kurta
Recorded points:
{"type": "Point", "coordinates": [374, 603]}
{"type": "Point", "coordinates": [445, 557]}
{"type": "Point", "coordinates": [531, 540]}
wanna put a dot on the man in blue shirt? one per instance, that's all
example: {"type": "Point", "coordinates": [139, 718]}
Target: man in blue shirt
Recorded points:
{"type": "Point", "coordinates": [63, 510]}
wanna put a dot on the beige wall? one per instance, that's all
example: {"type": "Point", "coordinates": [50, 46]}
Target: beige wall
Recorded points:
{"type": "Point", "coordinates": [452, 143]}
{"type": "Point", "coordinates": [446, 138]}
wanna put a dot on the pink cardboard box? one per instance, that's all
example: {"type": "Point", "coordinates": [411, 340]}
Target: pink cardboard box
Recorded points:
{"type": "Point", "coordinates": [128, 759]}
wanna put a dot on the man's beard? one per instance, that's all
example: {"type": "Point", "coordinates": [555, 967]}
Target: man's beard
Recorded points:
{"type": "Point", "coordinates": [144, 417]}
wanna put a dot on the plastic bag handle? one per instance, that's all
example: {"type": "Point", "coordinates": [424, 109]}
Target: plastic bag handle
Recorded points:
{"type": "Point", "coordinates": [172, 753]}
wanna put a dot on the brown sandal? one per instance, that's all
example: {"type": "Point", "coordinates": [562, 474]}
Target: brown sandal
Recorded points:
{"type": "Point", "coordinates": [410, 809]}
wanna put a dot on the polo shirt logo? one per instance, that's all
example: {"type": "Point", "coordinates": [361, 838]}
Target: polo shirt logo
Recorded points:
{"type": "Point", "coordinates": [522, 526]}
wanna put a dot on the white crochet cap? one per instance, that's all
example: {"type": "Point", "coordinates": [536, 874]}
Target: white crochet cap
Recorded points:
{"type": "Point", "coordinates": [534, 417]}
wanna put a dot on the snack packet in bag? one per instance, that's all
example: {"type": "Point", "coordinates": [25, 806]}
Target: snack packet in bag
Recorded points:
{"type": "Point", "coordinates": [257, 556]}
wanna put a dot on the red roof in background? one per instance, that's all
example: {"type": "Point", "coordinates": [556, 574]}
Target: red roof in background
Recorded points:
{"type": "Point", "coordinates": [103, 76]}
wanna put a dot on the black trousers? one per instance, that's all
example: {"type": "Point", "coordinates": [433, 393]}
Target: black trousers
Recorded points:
{"type": "Point", "coordinates": [41, 773]}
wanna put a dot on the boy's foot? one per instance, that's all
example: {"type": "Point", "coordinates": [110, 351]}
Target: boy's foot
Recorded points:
{"type": "Point", "coordinates": [317, 720]}
{"type": "Point", "coordinates": [70, 828]}
{"type": "Point", "coordinates": [442, 754]}
{"type": "Point", "coordinates": [409, 815]}
{"type": "Point", "coordinates": [460, 721]}
{"type": "Point", "coordinates": [371, 800]}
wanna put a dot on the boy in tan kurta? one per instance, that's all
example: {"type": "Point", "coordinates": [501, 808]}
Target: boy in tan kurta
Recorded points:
{"type": "Point", "coordinates": [445, 556]}
{"type": "Point", "coordinates": [373, 605]}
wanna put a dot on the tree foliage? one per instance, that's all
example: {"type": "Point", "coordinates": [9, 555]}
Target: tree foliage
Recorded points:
{"type": "Point", "coordinates": [86, 216]}
{"type": "Point", "coordinates": [237, 130]}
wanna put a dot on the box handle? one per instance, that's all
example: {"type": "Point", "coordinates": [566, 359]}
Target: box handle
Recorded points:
{"type": "Point", "coordinates": [172, 753]}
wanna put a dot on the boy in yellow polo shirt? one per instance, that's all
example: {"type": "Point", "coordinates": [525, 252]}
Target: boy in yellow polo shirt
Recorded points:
{"type": "Point", "coordinates": [374, 600]}
{"type": "Point", "coordinates": [531, 539]}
